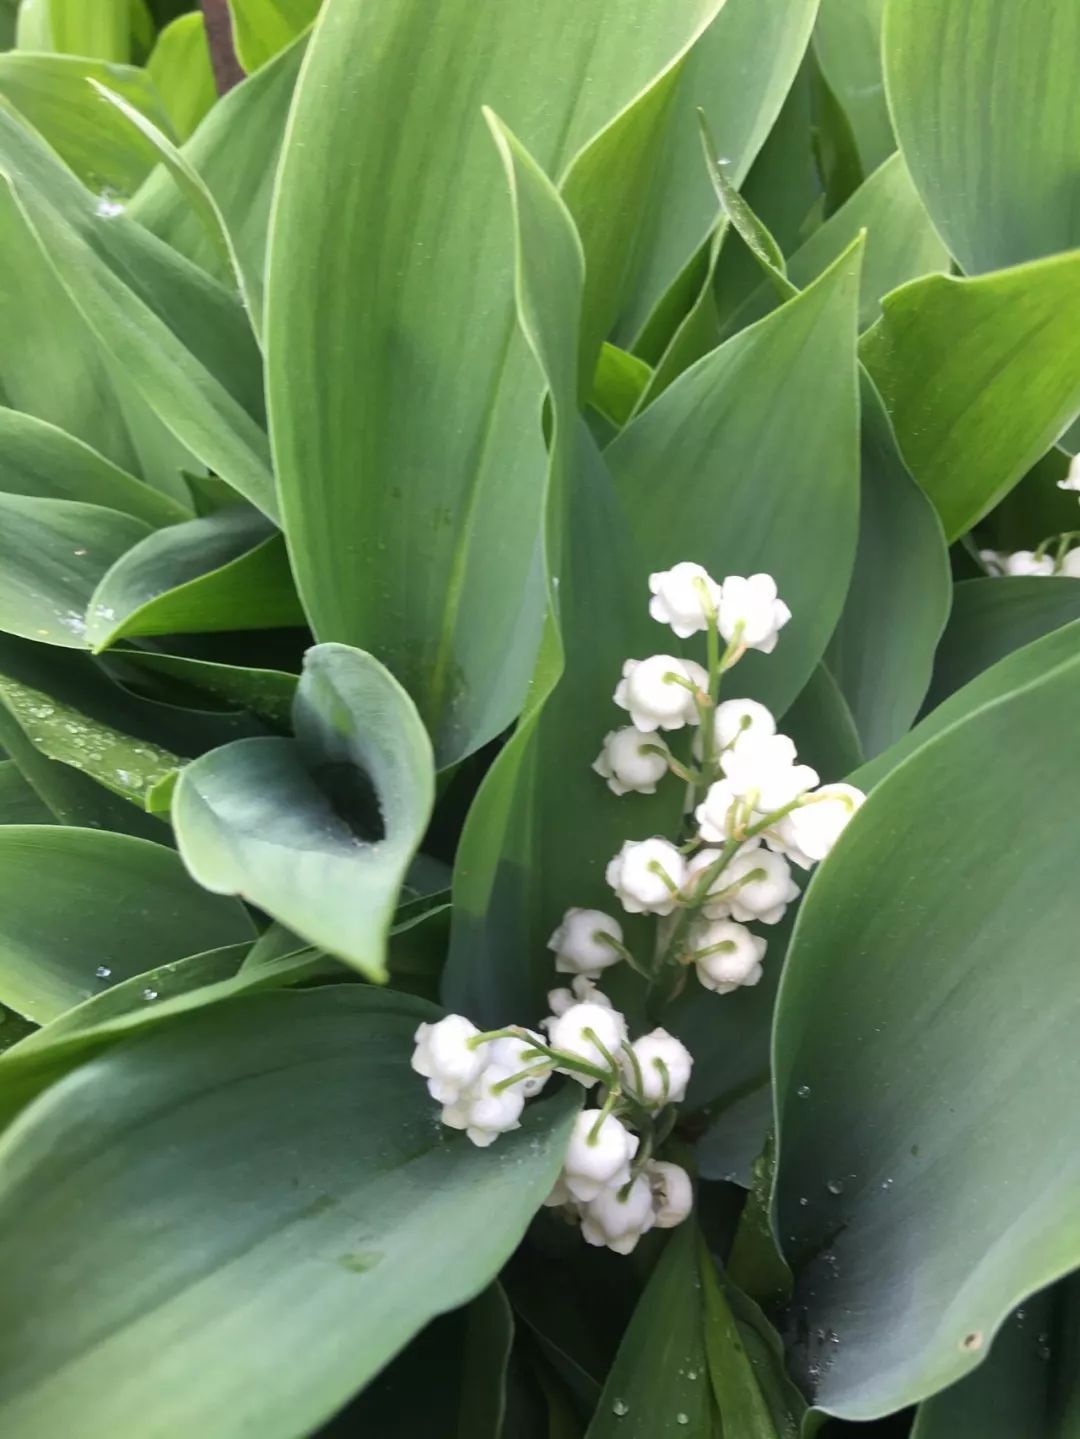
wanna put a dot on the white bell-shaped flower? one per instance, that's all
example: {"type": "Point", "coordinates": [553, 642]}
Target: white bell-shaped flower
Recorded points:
{"type": "Point", "coordinates": [1026, 562]}
{"type": "Point", "coordinates": [659, 1069]}
{"type": "Point", "coordinates": [1072, 479]}
{"type": "Point", "coordinates": [761, 888]}
{"type": "Point", "coordinates": [598, 1155]}
{"type": "Point", "coordinates": [582, 990]}
{"type": "Point", "coordinates": [632, 762]}
{"type": "Point", "coordinates": [647, 875]}
{"type": "Point", "coordinates": [727, 955]}
{"type": "Point", "coordinates": [762, 769]}
{"type": "Point", "coordinates": [585, 1032]}
{"type": "Point", "coordinates": [735, 720]}
{"type": "Point", "coordinates": [485, 1111]}
{"type": "Point", "coordinates": [751, 612]}
{"type": "Point", "coordinates": [618, 1217]}
{"type": "Point", "coordinates": [560, 1197]}
{"type": "Point", "coordinates": [1069, 564]}
{"type": "Point", "coordinates": [672, 1192]}
{"type": "Point", "coordinates": [994, 561]}
{"type": "Point", "coordinates": [586, 942]}
{"type": "Point", "coordinates": [720, 813]}
{"type": "Point", "coordinates": [515, 1056]}
{"type": "Point", "coordinates": [446, 1059]}
{"type": "Point", "coordinates": [683, 597]}
{"type": "Point", "coordinates": [659, 692]}
{"type": "Point", "coordinates": [808, 833]}
{"type": "Point", "coordinates": [705, 859]}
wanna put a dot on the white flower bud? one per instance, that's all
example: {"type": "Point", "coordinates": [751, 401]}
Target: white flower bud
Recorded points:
{"type": "Point", "coordinates": [656, 694]}
{"type": "Point", "coordinates": [598, 1155]}
{"type": "Point", "coordinates": [1026, 562]}
{"type": "Point", "coordinates": [993, 560]}
{"type": "Point", "coordinates": [582, 942]}
{"type": "Point", "coordinates": [584, 1031]}
{"type": "Point", "coordinates": [560, 1197]}
{"type": "Point", "coordinates": [728, 968]}
{"type": "Point", "coordinates": [662, 1070]}
{"type": "Point", "coordinates": [445, 1058]}
{"type": "Point", "coordinates": [705, 859]}
{"type": "Point", "coordinates": [1072, 479]}
{"type": "Point", "coordinates": [1070, 564]}
{"type": "Point", "coordinates": [720, 812]}
{"type": "Point", "coordinates": [763, 771]}
{"type": "Point", "coordinates": [753, 605]}
{"type": "Point", "coordinates": [514, 1055]}
{"type": "Point", "coordinates": [808, 833]}
{"type": "Point", "coordinates": [764, 893]}
{"type": "Point", "coordinates": [630, 763]}
{"type": "Point", "coordinates": [683, 597]}
{"type": "Point", "coordinates": [646, 875]}
{"type": "Point", "coordinates": [618, 1220]}
{"type": "Point", "coordinates": [485, 1112]}
{"type": "Point", "coordinates": [672, 1192]}
{"type": "Point", "coordinates": [582, 990]}
{"type": "Point", "coordinates": [734, 720]}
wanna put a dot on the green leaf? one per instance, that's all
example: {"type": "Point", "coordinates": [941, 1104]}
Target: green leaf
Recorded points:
{"type": "Point", "coordinates": [847, 43]}
{"type": "Point", "coordinates": [658, 1387]}
{"type": "Point", "coordinates": [950, 66]}
{"type": "Point", "coordinates": [882, 650]}
{"type": "Point", "coordinates": [101, 30]}
{"type": "Point", "coordinates": [67, 915]}
{"type": "Point", "coordinates": [1026, 1387]}
{"type": "Point", "coordinates": [900, 246]}
{"type": "Point", "coordinates": [52, 555]}
{"type": "Point", "coordinates": [265, 692]}
{"type": "Point", "coordinates": [19, 804]}
{"type": "Point", "coordinates": [261, 28]}
{"type": "Point", "coordinates": [363, 1210]}
{"type": "Point", "coordinates": [226, 571]}
{"type": "Point", "coordinates": [980, 376]}
{"type": "Point", "coordinates": [283, 822]}
{"type": "Point", "coordinates": [236, 153]}
{"type": "Point", "coordinates": [762, 432]}
{"type": "Point", "coordinates": [991, 618]}
{"type": "Point", "coordinates": [920, 1045]}
{"type": "Point", "coordinates": [618, 383]}
{"type": "Point", "coordinates": [52, 92]}
{"type": "Point", "coordinates": [38, 459]}
{"type": "Point", "coordinates": [179, 66]}
{"type": "Point", "coordinates": [823, 729]}
{"type": "Point", "coordinates": [427, 423]}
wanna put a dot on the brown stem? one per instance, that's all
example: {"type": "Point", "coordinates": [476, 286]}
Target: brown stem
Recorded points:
{"type": "Point", "coordinates": [219, 35]}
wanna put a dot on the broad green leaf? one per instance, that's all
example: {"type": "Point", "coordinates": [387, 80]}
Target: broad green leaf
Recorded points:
{"type": "Point", "coordinates": [38, 459]}
{"type": "Point", "coordinates": [739, 72]}
{"type": "Point", "coordinates": [991, 618]}
{"type": "Point", "coordinates": [847, 43]}
{"type": "Point", "coordinates": [179, 66]}
{"type": "Point", "coordinates": [261, 28]}
{"type": "Point", "coordinates": [101, 29]}
{"type": "Point", "coordinates": [986, 89]}
{"type": "Point", "coordinates": [83, 910]}
{"type": "Point", "coordinates": [1023, 667]}
{"type": "Point", "coordinates": [19, 803]}
{"type": "Point", "coordinates": [737, 1127]}
{"type": "Point", "coordinates": [1026, 1386]}
{"type": "Point", "coordinates": [313, 1207]}
{"type": "Point", "coordinates": [226, 571]}
{"type": "Point", "coordinates": [761, 432]}
{"type": "Point", "coordinates": [910, 1094]}
{"type": "Point", "coordinates": [33, 27]}
{"type": "Point", "coordinates": [426, 425]}
{"type": "Point", "coordinates": [980, 376]}
{"type": "Point", "coordinates": [900, 245]}
{"type": "Point", "coordinates": [268, 693]}
{"type": "Point", "coordinates": [822, 727]}
{"type": "Point", "coordinates": [52, 92]}
{"type": "Point", "coordinates": [618, 383]}
{"type": "Point", "coordinates": [285, 822]}
{"type": "Point", "coordinates": [451, 1379]}
{"type": "Point", "coordinates": [882, 651]}
{"type": "Point", "coordinates": [236, 153]}
{"type": "Point", "coordinates": [658, 1387]}
{"type": "Point", "coordinates": [52, 555]}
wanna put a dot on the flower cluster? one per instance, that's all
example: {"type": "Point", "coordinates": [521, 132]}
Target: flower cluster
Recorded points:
{"type": "Point", "coordinates": [1055, 556]}
{"type": "Point", "coordinates": [752, 811]}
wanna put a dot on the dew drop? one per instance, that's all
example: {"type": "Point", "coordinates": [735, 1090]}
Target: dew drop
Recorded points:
{"type": "Point", "coordinates": [803, 1091]}
{"type": "Point", "coordinates": [620, 1408]}
{"type": "Point", "coordinates": [103, 971]}
{"type": "Point", "coordinates": [682, 1418]}
{"type": "Point", "coordinates": [804, 1201]}
{"type": "Point", "coordinates": [149, 994]}
{"type": "Point", "coordinates": [835, 1186]}
{"type": "Point", "coordinates": [691, 1374]}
